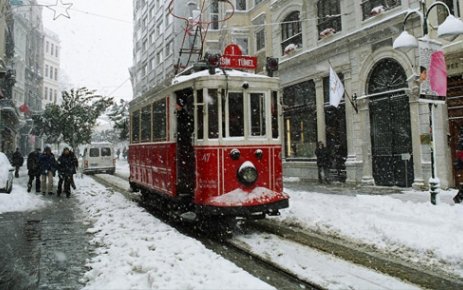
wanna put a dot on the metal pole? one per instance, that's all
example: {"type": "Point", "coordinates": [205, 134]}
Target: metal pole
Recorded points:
{"type": "Point", "coordinates": [433, 181]}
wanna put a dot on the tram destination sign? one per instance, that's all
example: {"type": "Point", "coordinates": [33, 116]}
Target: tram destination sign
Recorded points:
{"type": "Point", "coordinates": [233, 58]}
{"type": "Point", "coordinates": [238, 61]}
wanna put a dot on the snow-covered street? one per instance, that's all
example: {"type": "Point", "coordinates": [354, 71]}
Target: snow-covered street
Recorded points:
{"type": "Point", "coordinates": [134, 250]}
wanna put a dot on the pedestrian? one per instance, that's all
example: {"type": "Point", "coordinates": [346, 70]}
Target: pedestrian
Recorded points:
{"type": "Point", "coordinates": [48, 168]}
{"type": "Point", "coordinates": [124, 153]}
{"type": "Point", "coordinates": [459, 197]}
{"type": "Point", "coordinates": [18, 161]}
{"type": "Point", "coordinates": [322, 162]}
{"type": "Point", "coordinates": [66, 168]}
{"type": "Point", "coordinates": [75, 163]}
{"type": "Point", "coordinates": [118, 152]}
{"type": "Point", "coordinates": [33, 168]}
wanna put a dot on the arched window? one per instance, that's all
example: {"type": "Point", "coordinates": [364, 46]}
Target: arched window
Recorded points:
{"type": "Point", "coordinates": [329, 17]}
{"type": "Point", "coordinates": [387, 75]}
{"type": "Point", "coordinates": [291, 32]}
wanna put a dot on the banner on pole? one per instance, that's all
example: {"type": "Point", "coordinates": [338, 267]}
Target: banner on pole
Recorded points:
{"type": "Point", "coordinates": [433, 72]}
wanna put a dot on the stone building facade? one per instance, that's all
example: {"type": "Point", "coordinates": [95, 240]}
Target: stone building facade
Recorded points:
{"type": "Point", "coordinates": [380, 134]}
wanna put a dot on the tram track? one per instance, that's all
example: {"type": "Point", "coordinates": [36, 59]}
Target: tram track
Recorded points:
{"type": "Point", "coordinates": [260, 267]}
{"type": "Point", "coordinates": [274, 274]}
{"type": "Point", "coordinates": [362, 255]}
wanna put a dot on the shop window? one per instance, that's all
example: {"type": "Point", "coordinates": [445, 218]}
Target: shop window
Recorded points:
{"type": "Point", "coordinates": [300, 120]}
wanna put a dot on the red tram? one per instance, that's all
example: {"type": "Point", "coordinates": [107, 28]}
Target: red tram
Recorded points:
{"type": "Point", "coordinates": [210, 144]}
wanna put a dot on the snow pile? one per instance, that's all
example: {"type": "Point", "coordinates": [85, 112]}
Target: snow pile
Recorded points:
{"type": "Point", "coordinates": [137, 251]}
{"type": "Point", "coordinates": [414, 229]}
{"type": "Point", "coordinates": [20, 200]}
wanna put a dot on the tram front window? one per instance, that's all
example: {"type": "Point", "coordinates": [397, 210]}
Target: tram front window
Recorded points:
{"type": "Point", "coordinates": [257, 115]}
{"type": "Point", "coordinates": [235, 115]}
{"type": "Point", "coordinates": [212, 105]}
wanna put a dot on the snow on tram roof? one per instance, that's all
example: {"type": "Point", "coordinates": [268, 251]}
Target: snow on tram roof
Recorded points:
{"type": "Point", "coordinates": [202, 73]}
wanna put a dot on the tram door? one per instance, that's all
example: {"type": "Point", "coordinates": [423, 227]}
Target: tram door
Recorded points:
{"type": "Point", "coordinates": [391, 140]}
{"type": "Point", "coordinates": [185, 151]}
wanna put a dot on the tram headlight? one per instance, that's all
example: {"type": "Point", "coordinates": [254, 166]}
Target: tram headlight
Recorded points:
{"type": "Point", "coordinates": [247, 173]}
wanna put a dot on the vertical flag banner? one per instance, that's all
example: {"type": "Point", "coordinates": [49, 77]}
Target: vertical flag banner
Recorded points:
{"type": "Point", "coordinates": [336, 89]}
{"type": "Point", "coordinates": [433, 72]}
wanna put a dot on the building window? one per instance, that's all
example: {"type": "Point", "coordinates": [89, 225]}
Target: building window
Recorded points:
{"type": "Point", "coordinates": [243, 42]}
{"type": "Point", "coordinates": [47, 46]}
{"type": "Point", "coordinates": [50, 91]}
{"type": "Point", "coordinates": [442, 12]}
{"type": "Point", "coordinates": [256, 2]}
{"type": "Point", "coordinates": [169, 48]}
{"type": "Point", "coordinates": [56, 96]}
{"type": "Point", "coordinates": [159, 29]}
{"type": "Point", "coordinates": [259, 32]}
{"type": "Point", "coordinates": [45, 95]}
{"type": "Point", "coordinates": [145, 45]}
{"type": "Point", "coordinates": [371, 8]}
{"type": "Point", "coordinates": [329, 17]}
{"type": "Point", "coordinates": [159, 57]}
{"type": "Point", "coordinates": [56, 74]}
{"type": "Point", "coordinates": [51, 72]}
{"type": "Point", "coordinates": [214, 15]}
{"type": "Point", "coordinates": [56, 51]}
{"type": "Point", "coordinates": [291, 31]}
{"type": "Point", "coordinates": [300, 120]}
{"type": "Point", "coordinates": [240, 5]}
{"type": "Point", "coordinates": [52, 50]}
{"type": "Point", "coordinates": [169, 19]}
{"type": "Point", "coordinates": [46, 70]}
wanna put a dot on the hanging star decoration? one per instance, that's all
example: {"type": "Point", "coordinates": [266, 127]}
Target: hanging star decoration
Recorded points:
{"type": "Point", "coordinates": [60, 9]}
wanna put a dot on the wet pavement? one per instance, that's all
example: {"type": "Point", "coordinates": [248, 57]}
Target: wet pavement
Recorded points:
{"type": "Point", "coordinates": [44, 249]}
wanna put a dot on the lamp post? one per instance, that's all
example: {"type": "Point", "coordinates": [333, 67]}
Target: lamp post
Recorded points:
{"type": "Point", "coordinates": [451, 27]}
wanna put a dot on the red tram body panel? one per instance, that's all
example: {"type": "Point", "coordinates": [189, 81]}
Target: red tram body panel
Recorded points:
{"type": "Point", "coordinates": [211, 144]}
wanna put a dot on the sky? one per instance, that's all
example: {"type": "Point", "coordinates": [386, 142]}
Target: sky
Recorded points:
{"type": "Point", "coordinates": [134, 249]}
{"type": "Point", "coordinates": [96, 43]}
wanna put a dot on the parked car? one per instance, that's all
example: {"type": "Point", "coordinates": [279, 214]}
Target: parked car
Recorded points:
{"type": "Point", "coordinates": [6, 174]}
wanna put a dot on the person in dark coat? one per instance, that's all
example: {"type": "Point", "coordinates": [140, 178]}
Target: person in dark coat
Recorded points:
{"type": "Point", "coordinates": [322, 162]}
{"type": "Point", "coordinates": [66, 168]}
{"type": "Point", "coordinates": [33, 168]}
{"type": "Point", "coordinates": [18, 161]}
{"type": "Point", "coordinates": [75, 162]}
{"type": "Point", "coordinates": [48, 168]}
{"type": "Point", "coordinates": [185, 152]}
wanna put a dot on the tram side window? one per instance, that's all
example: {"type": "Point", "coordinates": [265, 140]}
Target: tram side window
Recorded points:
{"type": "Point", "coordinates": [257, 114]}
{"type": "Point", "coordinates": [146, 124]}
{"type": "Point", "coordinates": [213, 114]}
{"type": "Point", "coordinates": [159, 121]}
{"type": "Point", "coordinates": [235, 114]}
{"type": "Point", "coordinates": [200, 114]}
{"type": "Point", "coordinates": [274, 108]}
{"type": "Point", "coordinates": [136, 127]}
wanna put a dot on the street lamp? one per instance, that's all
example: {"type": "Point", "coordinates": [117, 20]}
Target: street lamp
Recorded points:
{"type": "Point", "coordinates": [451, 27]}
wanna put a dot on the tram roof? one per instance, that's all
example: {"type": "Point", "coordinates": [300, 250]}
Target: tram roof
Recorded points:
{"type": "Point", "coordinates": [218, 72]}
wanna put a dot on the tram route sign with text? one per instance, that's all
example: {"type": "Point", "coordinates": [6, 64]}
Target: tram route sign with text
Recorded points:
{"type": "Point", "coordinates": [234, 58]}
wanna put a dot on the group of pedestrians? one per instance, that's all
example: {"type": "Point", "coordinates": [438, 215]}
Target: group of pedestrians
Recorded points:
{"type": "Point", "coordinates": [43, 166]}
